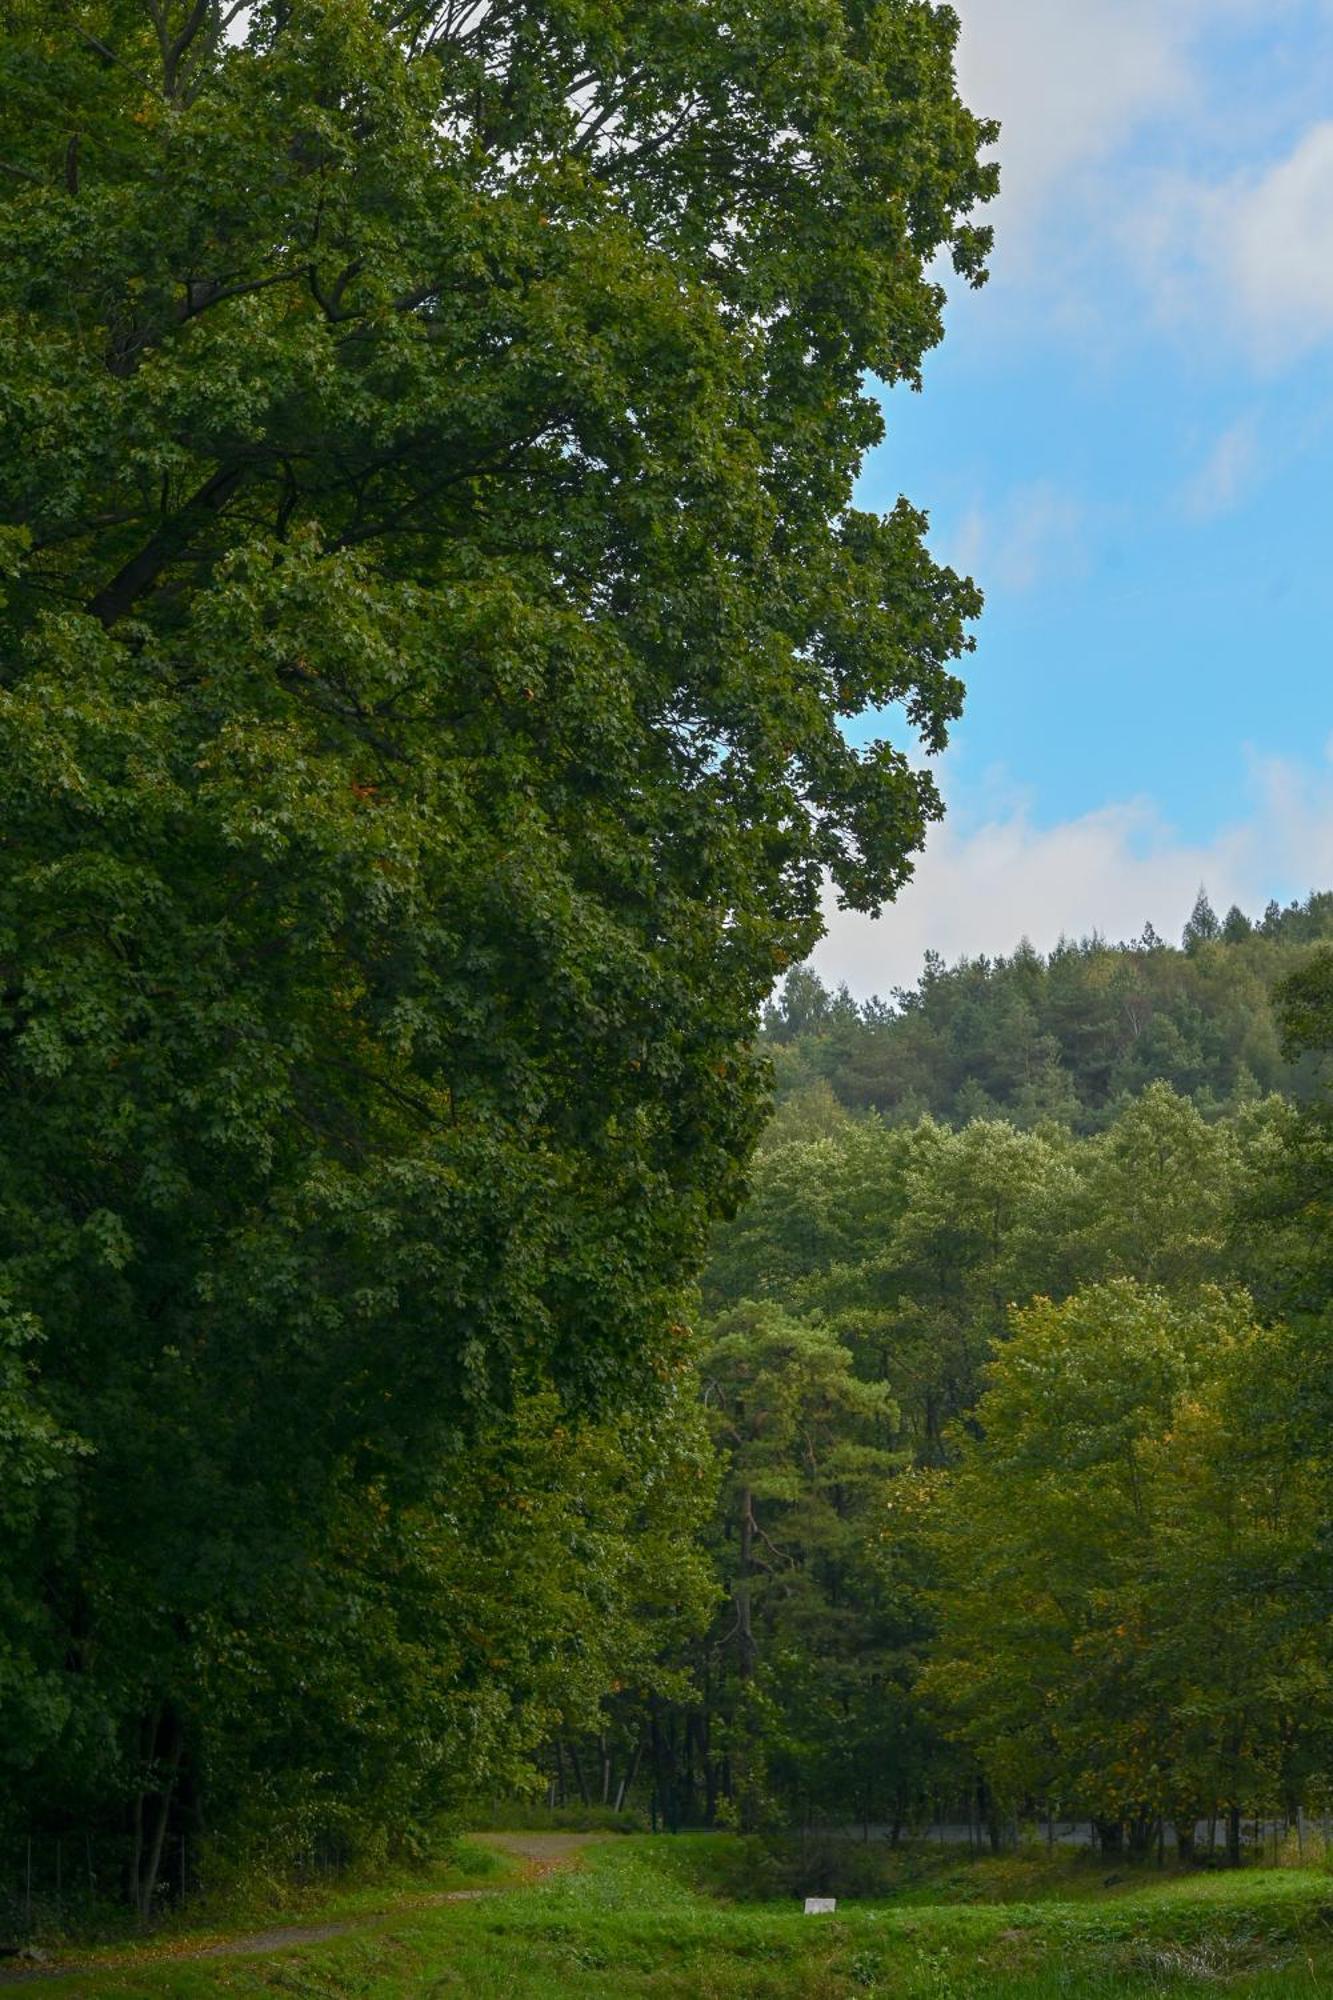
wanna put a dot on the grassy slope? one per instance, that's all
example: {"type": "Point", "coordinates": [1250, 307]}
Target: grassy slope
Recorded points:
{"type": "Point", "coordinates": [637, 1920]}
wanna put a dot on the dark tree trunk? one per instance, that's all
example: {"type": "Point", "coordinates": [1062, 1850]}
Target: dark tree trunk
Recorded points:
{"type": "Point", "coordinates": [662, 1777]}
{"type": "Point", "coordinates": [135, 1861]}
{"type": "Point", "coordinates": [134, 1867]}
{"type": "Point", "coordinates": [627, 1782]}
{"type": "Point", "coordinates": [145, 1864]}
{"type": "Point", "coordinates": [989, 1813]}
{"type": "Point", "coordinates": [149, 1883]}
{"type": "Point", "coordinates": [712, 1778]}
{"type": "Point", "coordinates": [578, 1773]}
{"type": "Point", "coordinates": [744, 1625]}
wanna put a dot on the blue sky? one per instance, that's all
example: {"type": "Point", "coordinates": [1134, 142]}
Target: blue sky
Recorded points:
{"type": "Point", "coordinates": [1127, 437]}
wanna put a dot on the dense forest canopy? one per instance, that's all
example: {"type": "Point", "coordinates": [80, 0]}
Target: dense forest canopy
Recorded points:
{"type": "Point", "coordinates": [1064, 1036]}
{"type": "Point", "coordinates": [432, 600]}
{"type": "Point", "coordinates": [1027, 1487]}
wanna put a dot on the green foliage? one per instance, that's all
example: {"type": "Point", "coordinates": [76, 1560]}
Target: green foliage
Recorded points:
{"type": "Point", "coordinates": [1203, 927]}
{"type": "Point", "coordinates": [1128, 1623]}
{"type": "Point", "coordinates": [1063, 1038]}
{"type": "Point", "coordinates": [1304, 1001]}
{"type": "Point", "coordinates": [460, 1632]}
{"type": "Point", "coordinates": [1159, 1192]}
{"type": "Point", "coordinates": [1100, 1582]}
{"type": "Point", "coordinates": [1126, 1547]}
{"type": "Point", "coordinates": [531, 1817]}
{"type": "Point", "coordinates": [433, 600]}
{"type": "Point", "coordinates": [913, 1243]}
{"type": "Point", "coordinates": [807, 1703]}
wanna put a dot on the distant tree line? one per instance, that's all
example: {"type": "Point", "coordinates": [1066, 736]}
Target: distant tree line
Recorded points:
{"type": "Point", "coordinates": [1065, 1036]}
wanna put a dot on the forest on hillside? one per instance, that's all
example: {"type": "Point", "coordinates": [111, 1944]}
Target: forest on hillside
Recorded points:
{"type": "Point", "coordinates": [1025, 1492]}
{"type": "Point", "coordinates": [1066, 1036]}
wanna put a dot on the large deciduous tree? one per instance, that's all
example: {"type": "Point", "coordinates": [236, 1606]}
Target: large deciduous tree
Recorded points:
{"type": "Point", "coordinates": [1132, 1602]}
{"type": "Point", "coordinates": [433, 599]}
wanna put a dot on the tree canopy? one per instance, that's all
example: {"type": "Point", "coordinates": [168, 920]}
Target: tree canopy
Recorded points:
{"type": "Point", "coordinates": [433, 597]}
{"type": "Point", "coordinates": [1130, 1537]}
{"type": "Point", "coordinates": [1063, 1036]}
{"type": "Point", "coordinates": [1066, 1546]}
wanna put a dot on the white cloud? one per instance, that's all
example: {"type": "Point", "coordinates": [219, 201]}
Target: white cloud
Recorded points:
{"type": "Point", "coordinates": [1282, 240]}
{"type": "Point", "coordinates": [1070, 80]}
{"type": "Point", "coordinates": [1112, 871]}
{"type": "Point", "coordinates": [1094, 97]}
{"type": "Point", "coordinates": [1257, 248]}
{"type": "Point", "coordinates": [1034, 536]}
{"type": "Point", "coordinates": [1225, 474]}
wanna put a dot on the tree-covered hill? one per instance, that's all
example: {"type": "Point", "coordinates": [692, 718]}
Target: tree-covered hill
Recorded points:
{"type": "Point", "coordinates": [1067, 1036]}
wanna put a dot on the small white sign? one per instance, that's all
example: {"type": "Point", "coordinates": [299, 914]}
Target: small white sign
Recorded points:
{"type": "Point", "coordinates": [820, 1906]}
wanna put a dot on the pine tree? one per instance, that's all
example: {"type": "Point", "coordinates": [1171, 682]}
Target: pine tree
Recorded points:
{"type": "Point", "coordinates": [1203, 927]}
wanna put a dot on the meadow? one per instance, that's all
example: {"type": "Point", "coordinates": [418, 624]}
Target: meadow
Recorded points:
{"type": "Point", "coordinates": [659, 1917]}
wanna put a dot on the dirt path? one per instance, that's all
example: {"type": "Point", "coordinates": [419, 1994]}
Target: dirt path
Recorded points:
{"type": "Point", "coordinates": [543, 1852]}
{"type": "Point", "coordinates": [555, 1850]}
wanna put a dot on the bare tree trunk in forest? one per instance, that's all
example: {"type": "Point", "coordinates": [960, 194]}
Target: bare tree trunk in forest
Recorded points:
{"type": "Point", "coordinates": [136, 1854]}
{"type": "Point", "coordinates": [664, 1771]}
{"type": "Point", "coordinates": [990, 1816]}
{"type": "Point", "coordinates": [1233, 1837]}
{"type": "Point", "coordinates": [744, 1626]}
{"type": "Point", "coordinates": [149, 1881]}
{"type": "Point", "coordinates": [712, 1775]}
{"type": "Point", "coordinates": [659, 1795]}
{"type": "Point", "coordinates": [147, 1747]}
{"type": "Point", "coordinates": [578, 1772]}
{"type": "Point", "coordinates": [631, 1774]}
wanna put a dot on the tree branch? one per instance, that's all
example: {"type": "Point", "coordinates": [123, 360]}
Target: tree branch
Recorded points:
{"type": "Point", "coordinates": [109, 55]}
{"type": "Point", "coordinates": [141, 572]}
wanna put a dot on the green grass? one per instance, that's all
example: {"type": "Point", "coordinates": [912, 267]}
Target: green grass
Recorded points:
{"type": "Point", "coordinates": [465, 1864]}
{"type": "Point", "coordinates": [637, 1919]}
{"type": "Point", "coordinates": [263, 1904]}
